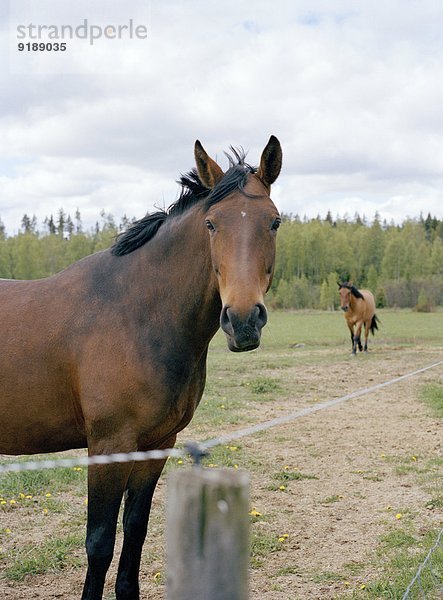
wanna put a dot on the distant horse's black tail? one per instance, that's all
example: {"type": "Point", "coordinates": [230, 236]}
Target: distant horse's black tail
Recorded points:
{"type": "Point", "coordinates": [374, 324]}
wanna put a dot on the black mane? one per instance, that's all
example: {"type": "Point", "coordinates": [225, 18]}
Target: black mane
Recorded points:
{"type": "Point", "coordinates": [192, 192]}
{"type": "Point", "coordinates": [354, 291]}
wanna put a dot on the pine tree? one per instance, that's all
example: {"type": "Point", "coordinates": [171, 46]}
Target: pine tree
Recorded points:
{"type": "Point", "coordinates": [29, 224]}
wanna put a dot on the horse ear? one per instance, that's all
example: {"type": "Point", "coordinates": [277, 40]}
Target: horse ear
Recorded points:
{"type": "Point", "coordinates": [270, 162]}
{"type": "Point", "coordinates": [208, 170]}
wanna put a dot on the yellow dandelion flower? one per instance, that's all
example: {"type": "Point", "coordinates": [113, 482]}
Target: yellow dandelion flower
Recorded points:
{"type": "Point", "coordinates": [28, 497]}
{"type": "Point", "coordinates": [363, 586]}
{"type": "Point", "coordinates": [85, 501]}
{"type": "Point", "coordinates": [282, 487]}
{"type": "Point", "coordinates": [235, 466]}
{"type": "Point", "coordinates": [346, 583]}
{"type": "Point", "coordinates": [254, 512]}
{"type": "Point", "coordinates": [21, 495]}
{"type": "Point", "coordinates": [398, 516]}
{"type": "Point", "coordinates": [45, 511]}
{"type": "Point", "coordinates": [382, 455]}
{"type": "Point", "coordinates": [179, 462]}
{"type": "Point", "coordinates": [3, 502]}
{"type": "Point", "coordinates": [7, 530]}
{"type": "Point", "coordinates": [48, 495]}
{"type": "Point", "coordinates": [12, 502]}
{"type": "Point", "coordinates": [414, 458]}
{"type": "Point", "coordinates": [281, 539]}
{"type": "Point", "coordinates": [157, 576]}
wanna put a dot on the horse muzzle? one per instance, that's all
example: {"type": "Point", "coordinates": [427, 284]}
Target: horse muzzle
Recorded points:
{"type": "Point", "coordinates": [243, 333]}
{"type": "Point", "coordinates": [344, 308]}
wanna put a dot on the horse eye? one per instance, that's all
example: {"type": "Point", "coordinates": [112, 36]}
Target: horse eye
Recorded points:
{"type": "Point", "coordinates": [276, 224]}
{"type": "Point", "coordinates": [209, 225]}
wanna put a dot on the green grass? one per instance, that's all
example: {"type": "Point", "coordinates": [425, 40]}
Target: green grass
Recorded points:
{"type": "Point", "coordinates": [327, 577]}
{"type": "Point", "coordinates": [397, 539]}
{"type": "Point", "coordinates": [432, 395]}
{"type": "Point", "coordinates": [325, 329]}
{"type": "Point", "coordinates": [402, 553]}
{"type": "Point", "coordinates": [51, 556]}
{"type": "Point", "coordinates": [36, 483]}
{"type": "Point", "coordinates": [261, 545]}
{"type": "Point", "coordinates": [264, 385]}
{"type": "Point", "coordinates": [287, 475]}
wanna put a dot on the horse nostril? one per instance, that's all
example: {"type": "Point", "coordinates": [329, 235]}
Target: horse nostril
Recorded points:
{"type": "Point", "coordinates": [262, 315]}
{"type": "Point", "coordinates": [225, 321]}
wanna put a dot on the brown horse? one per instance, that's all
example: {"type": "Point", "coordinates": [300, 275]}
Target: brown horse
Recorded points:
{"type": "Point", "coordinates": [359, 309]}
{"type": "Point", "coordinates": [110, 354]}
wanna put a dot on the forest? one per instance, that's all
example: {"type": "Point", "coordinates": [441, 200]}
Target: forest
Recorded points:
{"type": "Point", "coordinates": [401, 263]}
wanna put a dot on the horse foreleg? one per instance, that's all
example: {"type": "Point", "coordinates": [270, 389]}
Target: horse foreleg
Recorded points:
{"type": "Point", "coordinates": [351, 330]}
{"type": "Point", "coordinates": [138, 499]}
{"type": "Point", "coordinates": [357, 340]}
{"type": "Point", "coordinates": [106, 484]}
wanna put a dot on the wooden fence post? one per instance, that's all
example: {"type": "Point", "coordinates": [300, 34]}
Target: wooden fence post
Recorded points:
{"type": "Point", "coordinates": [207, 534]}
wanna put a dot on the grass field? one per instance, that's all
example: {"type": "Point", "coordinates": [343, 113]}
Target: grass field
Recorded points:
{"type": "Point", "coordinates": [42, 515]}
{"type": "Point", "coordinates": [320, 329]}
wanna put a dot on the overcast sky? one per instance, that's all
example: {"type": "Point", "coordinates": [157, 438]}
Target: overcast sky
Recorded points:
{"type": "Point", "coordinates": [353, 90]}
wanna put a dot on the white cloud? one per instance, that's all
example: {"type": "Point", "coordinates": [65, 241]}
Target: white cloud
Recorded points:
{"type": "Point", "coordinates": [353, 90]}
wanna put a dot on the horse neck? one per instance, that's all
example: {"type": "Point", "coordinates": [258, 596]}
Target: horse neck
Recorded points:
{"type": "Point", "coordinates": [177, 279]}
{"type": "Point", "coordinates": [354, 301]}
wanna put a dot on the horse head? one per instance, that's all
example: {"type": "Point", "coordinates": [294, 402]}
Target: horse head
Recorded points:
{"type": "Point", "coordinates": [344, 290]}
{"type": "Point", "coordinates": [242, 222]}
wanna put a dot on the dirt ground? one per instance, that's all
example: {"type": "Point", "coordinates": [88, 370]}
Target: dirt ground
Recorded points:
{"type": "Point", "coordinates": [335, 519]}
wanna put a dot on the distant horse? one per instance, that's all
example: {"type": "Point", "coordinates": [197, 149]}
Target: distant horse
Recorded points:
{"type": "Point", "coordinates": [359, 309]}
{"type": "Point", "coordinates": [110, 354]}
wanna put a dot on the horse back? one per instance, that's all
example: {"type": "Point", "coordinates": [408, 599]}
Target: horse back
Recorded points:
{"type": "Point", "coordinates": [369, 304]}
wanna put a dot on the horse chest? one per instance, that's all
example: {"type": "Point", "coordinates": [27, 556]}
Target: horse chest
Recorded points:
{"type": "Point", "coordinates": [167, 406]}
{"type": "Point", "coordinates": [351, 318]}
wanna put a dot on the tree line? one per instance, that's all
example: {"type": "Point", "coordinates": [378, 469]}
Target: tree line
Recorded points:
{"type": "Point", "coordinates": [35, 252]}
{"type": "Point", "coordinates": [401, 264]}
